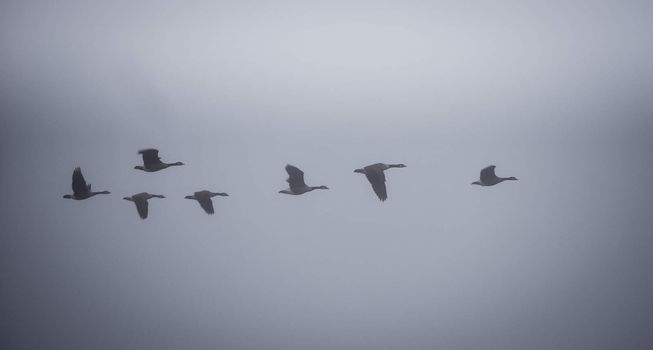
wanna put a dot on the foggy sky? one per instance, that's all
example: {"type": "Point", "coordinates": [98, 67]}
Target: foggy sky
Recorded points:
{"type": "Point", "coordinates": [557, 94]}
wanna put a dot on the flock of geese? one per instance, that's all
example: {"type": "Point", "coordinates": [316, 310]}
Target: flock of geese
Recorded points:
{"type": "Point", "coordinates": [152, 162]}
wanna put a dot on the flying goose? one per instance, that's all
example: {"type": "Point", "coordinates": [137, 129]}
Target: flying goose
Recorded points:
{"type": "Point", "coordinates": [296, 182]}
{"type": "Point", "coordinates": [152, 162]}
{"type": "Point", "coordinates": [376, 177]}
{"type": "Point", "coordinates": [140, 200]}
{"type": "Point", "coordinates": [80, 189]}
{"type": "Point", "coordinates": [488, 178]}
{"type": "Point", "coordinates": [204, 198]}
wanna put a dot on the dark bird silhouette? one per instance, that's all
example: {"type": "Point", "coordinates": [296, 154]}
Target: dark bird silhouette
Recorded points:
{"type": "Point", "coordinates": [375, 175]}
{"type": "Point", "coordinates": [296, 182]}
{"type": "Point", "coordinates": [489, 178]}
{"type": "Point", "coordinates": [152, 162]}
{"type": "Point", "coordinates": [204, 199]}
{"type": "Point", "coordinates": [80, 189]}
{"type": "Point", "coordinates": [140, 200]}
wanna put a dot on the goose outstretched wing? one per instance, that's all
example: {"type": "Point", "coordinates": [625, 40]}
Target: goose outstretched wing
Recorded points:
{"type": "Point", "coordinates": [377, 179]}
{"type": "Point", "coordinates": [206, 203]}
{"type": "Point", "coordinates": [295, 177]}
{"type": "Point", "coordinates": [141, 207]}
{"type": "Point", "coordinates": [150, 156]}
{"type": "Point", "coordinates": [79, 184]}
{"type": "Point", "coordinates": [487, 174]}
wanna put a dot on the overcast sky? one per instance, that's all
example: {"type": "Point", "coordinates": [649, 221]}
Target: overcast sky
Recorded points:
{"type": "Point", "coordinates": [556, 93]}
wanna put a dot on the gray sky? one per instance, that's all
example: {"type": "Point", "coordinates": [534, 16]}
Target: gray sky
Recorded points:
{"type": "Point", "coordinates": [556, 93]}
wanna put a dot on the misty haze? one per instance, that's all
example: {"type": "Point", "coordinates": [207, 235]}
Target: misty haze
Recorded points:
{"type": "Point", "coordinates": [555, 252]}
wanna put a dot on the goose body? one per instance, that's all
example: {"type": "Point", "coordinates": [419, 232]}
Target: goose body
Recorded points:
{"type": "Point", "coordinates": [204, 199]}
{"type": "Point", "coordinates": [152, 162]}
{"type": "Point", "coordinates": [140, 200]}
{"type": "Point", "coordinates": [376, 176]}
{"type": "Point", "coordinates": [81, 190]}
{"type": "Point", "coordinates": [489, 178]}
{"type": "Point", "coordinates": [296, 182]}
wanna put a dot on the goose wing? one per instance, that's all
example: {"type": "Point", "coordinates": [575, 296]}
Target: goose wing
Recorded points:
{"type": "Point", "coordinates": [206, 203]}
{"type": "Point", "coordinates": [377, 179]}
{"type": "Point", "coordinates": [141, 206]}
{"type": "Point", "coordinates": [487, 173]}
{"type": "Point", "coordinates": [295, 177]}
{"type": "Point", "coordinates": [79, 184]}
{"type": "Point", "coordinates": [150, 156]}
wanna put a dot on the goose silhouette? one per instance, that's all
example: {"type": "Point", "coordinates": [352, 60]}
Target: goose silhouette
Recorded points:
{"type": "Point", "coordinates": [140, 200]}
{"type": "Point", "coordinates": [80, 189]}
{"type": "Point", "coordinates": [296, 182]}
{"type": "Point", "coordinates": [375, 175]}
{"type": "Point", "coordinates": [204, 199]}
{"type": "Point", "coordinates": [489, 178]}
{"type": "Point", "coordinates": [152, 162]}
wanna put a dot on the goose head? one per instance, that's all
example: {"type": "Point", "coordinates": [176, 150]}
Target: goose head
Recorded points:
{"type": "Point", "coordinates": [128, 199]}
{"type": "Point", "coordinates": [397, 165]}
{"type": "Point", "coordinates": [67, 196]}
{"type": "Point", "coordinates": [360, 171]}
{"type": "Point", "coordinates": [511, 178]}
{"type": "Point", "coordinates": [176, 163]}
{"type": "Point", "coordinates": [189, 197]}
{"type": "Point", "coordinates": [139, 167]}
{"type": "Point", "coordinates": [320, 187]}
{"type": "Point", "coordinates": [221, 194]}
{"type": "Point", "coordinates": [476, 183]}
